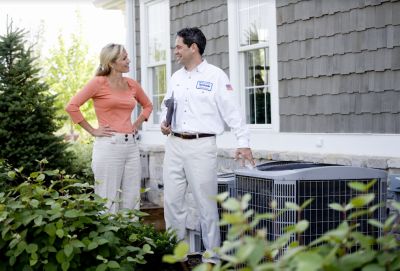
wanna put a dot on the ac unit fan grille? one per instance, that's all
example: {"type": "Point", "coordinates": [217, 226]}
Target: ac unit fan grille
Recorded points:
{"type": "Point", "coordinates": [321, 217]}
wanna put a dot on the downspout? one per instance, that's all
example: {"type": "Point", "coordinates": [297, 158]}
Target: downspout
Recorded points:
{"type": "Point", "coordinates": [131, 35]}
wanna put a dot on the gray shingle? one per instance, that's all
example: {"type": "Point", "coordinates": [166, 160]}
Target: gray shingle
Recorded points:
{"type": "Point", "coordinates": [395, 13]}
{"type": "Point", "coordinates": [396, 80]}
{"type": "Point", "coordinates": [395, 58]}
{"type": "Point", "coordinates": [369, 17]}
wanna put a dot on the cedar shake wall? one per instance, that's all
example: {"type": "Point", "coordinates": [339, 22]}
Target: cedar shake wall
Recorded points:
{"type": "Point", "coordinates": [212, 18]}
{"type": "Point", "coordinates": [339, 66]}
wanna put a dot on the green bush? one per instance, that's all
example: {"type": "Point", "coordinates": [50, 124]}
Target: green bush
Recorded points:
{"type": "Point", "coordinates": [28, 121]}
{"type": "Point", "coordinates": [341, 249]}
{"type": "Point", "coordinates": [54, 222]}
{"type": "Point", "coordinates": [82, 164]}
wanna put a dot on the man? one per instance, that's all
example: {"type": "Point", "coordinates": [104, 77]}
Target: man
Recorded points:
{"type": "Point", "coordinates": [204, 100]}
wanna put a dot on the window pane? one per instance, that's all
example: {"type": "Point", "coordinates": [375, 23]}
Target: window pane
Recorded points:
{"type": "Point", "coordinates": [254, 16]}
{"type": "Point", "coordinates": [258, 98]}
{"type": "Point", "coordinates": [157, 16]}
{"type": "Point", "coordinates": [159, 86]}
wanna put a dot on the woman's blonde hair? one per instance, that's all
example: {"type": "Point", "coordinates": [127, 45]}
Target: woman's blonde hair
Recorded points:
{"type": "Point", "coordinates": [108, 55]}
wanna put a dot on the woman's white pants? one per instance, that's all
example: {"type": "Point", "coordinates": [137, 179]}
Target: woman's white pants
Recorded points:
{"type": "Point", "coordinates": [117, 171]}
{"type": "Point", "coordinates": [191, 162]}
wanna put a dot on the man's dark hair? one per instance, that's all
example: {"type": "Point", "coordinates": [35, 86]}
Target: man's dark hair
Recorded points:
{"type": "Point", "coordinates": [193, 35]}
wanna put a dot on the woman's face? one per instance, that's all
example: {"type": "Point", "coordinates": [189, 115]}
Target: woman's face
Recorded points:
{"type": "Point", "coordinates": [122, 63]}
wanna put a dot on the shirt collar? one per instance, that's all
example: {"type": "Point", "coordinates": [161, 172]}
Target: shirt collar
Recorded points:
{"type": "Point", "coordinates": [200, 68]}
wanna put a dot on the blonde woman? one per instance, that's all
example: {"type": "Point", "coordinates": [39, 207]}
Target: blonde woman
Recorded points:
{"type": "Point", "coordinates": [115, 159]}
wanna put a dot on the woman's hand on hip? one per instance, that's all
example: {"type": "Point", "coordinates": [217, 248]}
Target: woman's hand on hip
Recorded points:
{"type": "Point", "coordinates": [103, 131]}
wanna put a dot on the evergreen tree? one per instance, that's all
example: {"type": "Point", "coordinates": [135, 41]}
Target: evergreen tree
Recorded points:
{"type": "Point", "coordinates": [28, 120]}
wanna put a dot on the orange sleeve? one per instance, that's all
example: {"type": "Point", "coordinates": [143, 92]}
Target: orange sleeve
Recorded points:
{"type": "Point", "coordinates": [80, 98]}
{"type": "Point", "coordinates": [141, 97]}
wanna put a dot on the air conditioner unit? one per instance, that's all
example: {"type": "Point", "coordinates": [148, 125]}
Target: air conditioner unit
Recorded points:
{"type": "Point", "coordinates": [195, 242]}
{"type": "Point", "coordinates": [226, 182]}
{"type": "Point", "coordinates": [299, 181]}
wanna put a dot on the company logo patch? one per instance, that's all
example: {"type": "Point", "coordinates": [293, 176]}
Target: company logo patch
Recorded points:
{"type": "Point", "coordinates": [229, 87]}
{"type": "Point", "coordinates": [204, 85]}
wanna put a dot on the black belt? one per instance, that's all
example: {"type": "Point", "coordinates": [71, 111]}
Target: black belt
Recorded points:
{"type": "Point", "coordinates": [191, 136]}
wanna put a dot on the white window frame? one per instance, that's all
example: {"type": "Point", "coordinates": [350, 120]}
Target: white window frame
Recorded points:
{"type": "Point", "coordinates": [236, 64]}
{"type": "Point", "coordinates": [146, 77]}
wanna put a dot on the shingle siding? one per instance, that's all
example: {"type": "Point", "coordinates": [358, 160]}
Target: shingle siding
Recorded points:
{"type": "Point", "coordinates": [339, 66]}
{"type": "Point", "coordinates": [137, 42]}
{"type": "Point", "coordinates": [212, 18]}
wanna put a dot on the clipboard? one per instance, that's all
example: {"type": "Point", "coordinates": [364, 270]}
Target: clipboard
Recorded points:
{"type": "Point", "coordinates": [170, 104]}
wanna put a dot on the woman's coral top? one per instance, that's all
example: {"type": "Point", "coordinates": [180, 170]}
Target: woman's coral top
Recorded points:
{"type": "Point", "coordinates": [113, 107]}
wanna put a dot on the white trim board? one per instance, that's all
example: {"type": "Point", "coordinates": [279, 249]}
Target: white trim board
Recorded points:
{"type": "Point", "coordinates": [373, 145]}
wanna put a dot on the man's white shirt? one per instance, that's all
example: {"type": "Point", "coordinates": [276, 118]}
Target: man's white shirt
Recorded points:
{"type": "Point", "coordinates": [204, 100]}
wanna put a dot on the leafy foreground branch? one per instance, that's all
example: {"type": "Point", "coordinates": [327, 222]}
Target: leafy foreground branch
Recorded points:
{"type": "Point", "coordinates": [341, 249]}
{"type": "Point", "coordinates": [52, 221]}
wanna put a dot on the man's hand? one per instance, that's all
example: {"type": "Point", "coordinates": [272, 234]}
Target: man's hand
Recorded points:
{"type": "Point", "coordinates": [245, 154]}
{"type": "Point", "coordinates": [166, 130]}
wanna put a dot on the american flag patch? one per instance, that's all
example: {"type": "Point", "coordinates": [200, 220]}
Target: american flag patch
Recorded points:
{"type": "Point", "coordinates": [229, 87]}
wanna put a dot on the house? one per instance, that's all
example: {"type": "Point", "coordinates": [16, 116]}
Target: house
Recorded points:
{"type": "Point", "coordinates": [317, 80]}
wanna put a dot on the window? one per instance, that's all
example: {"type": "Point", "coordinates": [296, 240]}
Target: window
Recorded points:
{"type": "Point", "coordinates": [155, 48]}
{"type": "Point", "coordinates": [254, 42]}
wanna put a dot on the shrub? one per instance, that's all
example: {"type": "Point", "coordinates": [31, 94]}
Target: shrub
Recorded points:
{"type": "Point", "coordinates": [27, 109]}
{"type": "Point", "coordinates": [340, 249]}
{"type": "Point", "coordinates": [82, 164]}
{"type": "Point", "coordinates": [54, 222]}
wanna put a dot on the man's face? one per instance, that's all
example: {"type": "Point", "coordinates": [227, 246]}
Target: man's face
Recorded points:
{"type": "Point", "coordinates": [183, 53]}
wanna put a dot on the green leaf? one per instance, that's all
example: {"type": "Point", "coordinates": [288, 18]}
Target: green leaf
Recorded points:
{"type": "Point", "coordinates": [309, 261]}
{"type": "Point", "coordinates": [358, 186]}
{"type": "Point", "coordinates": [244, 203]}
{"type": "Point", "coordinates": [11, 175]}
{"type": "Point", "coordinates": [92, 245]}
{"type": "Point", "coordinates": [375, 223]}
{"type": "Point", "coordinates": [72, 213]}
{"type": "Point", "coordinates": [292, 206]}
{"type": "Point", "coordinates": [41, 177]}
{"type": "Point", "coordinates": [306, 203]}
{"type": "Point", "coordinates": [101, 267]}
{"type": "Point", "coordinates": [34, 203]}
{"type": "Point", "coordinates": [60, 233]}
{"type": "Point", "coordinates": [181, 250]}
{"type": "Point", "coordinates": [77, 243]}
{"type": "Point", "coordinates": [113, 265]}
{"type": "Point", "coordinates": [31, 248]}
{"type": "Point", "coordinates": [20, 248]}
{"type": "Point", "coordinates": [169, 259]}
{"type": "Point", "coordinates": [396, 205]}
{"type": "Point", "coordinates": [50, 229]}
{"type": "Point", "coordinates": [33, 260]}
{"type": "Point", "coordinates": [301, 226]}
{"type": "Point", "coordinates": [389, 221]}
{"type": "Point", "coordinates": [147, 249]}
{"type": "Point", "coordinates": [222, 197]}
{"type": "Point", "coordinates": [60, 256]}
{"type": "Point", "coordinates": [68, 249]}
{"type": "Point", "coordinates": [362, 200]}
{"type": "Point", "coordinates": [65, 266]}
{"type": "Point", "coordinates": [244, 251]}
{"type": "Point", "coordinates": [373, 267]}
{"type": "Point", "coordinates": [231, 204]}
{"type": "Point", "coordinates": [38, 220]}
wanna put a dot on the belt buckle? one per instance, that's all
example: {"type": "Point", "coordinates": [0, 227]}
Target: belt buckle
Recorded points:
{"type": "Point", "coordinates": [185, 136]}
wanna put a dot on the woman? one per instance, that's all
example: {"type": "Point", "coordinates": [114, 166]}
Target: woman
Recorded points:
{"type": "Point", "coordinates": [115, 159]}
